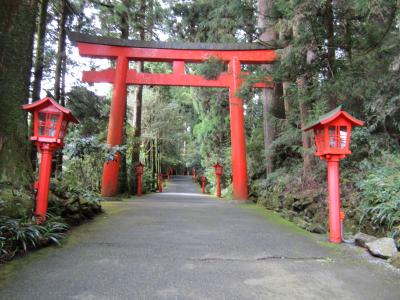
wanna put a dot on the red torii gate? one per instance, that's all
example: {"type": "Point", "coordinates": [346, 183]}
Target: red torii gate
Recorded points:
{"type": "Point", "coordinates": [178, 54]}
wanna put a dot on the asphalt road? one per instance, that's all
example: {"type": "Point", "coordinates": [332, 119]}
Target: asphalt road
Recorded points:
{"type": "Point", "coordinates": [183, 245]}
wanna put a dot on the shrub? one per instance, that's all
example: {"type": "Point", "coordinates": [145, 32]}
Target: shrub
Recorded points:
{"type": "Point", "coordinates": [380, 190]}
{"type": "Point", "coordinates": [20, 235]}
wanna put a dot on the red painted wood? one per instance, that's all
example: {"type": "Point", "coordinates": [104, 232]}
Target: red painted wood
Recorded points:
{"type": "Point", "coordinates": [160, 182]}
{"type": "Point", "coordinates": [203, 184]}
{"type": "Point", "coordinates": [170, 55]}
{"type": "Point", "coordinates": [178, 67]}
{"type": "Point", "coordinates": [139, 185]}
{"type": "Point", "coordinates": [115, 127]}
{"type": "Point", "coordinates": [239, 162]}
{"type": "Point", "coordinates": [44, 183]}
{"type": "Point", "coordinates": [219, 186]}
{"type": "Point", "coordinates": [175, 79]}
{"type": "Point", "coordinates": [335, 230]}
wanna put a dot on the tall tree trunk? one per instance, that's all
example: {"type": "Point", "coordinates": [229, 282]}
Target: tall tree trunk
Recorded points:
{"type": "Point", "coordinates": [154, 166]}
{"type": "Point", "coordinates": [331, 52]}
{"type": "Point", "coordinates": [38, 66]}
{"type": "Point", "coordinates": [41, 34]}
{"type": "Point", "coordinates": [61, 56]}
{"type": "Point", "coordinates": [286, 101]}
{"type": "Point", "coordinates": [304, 107]}
{"type": "Point", "coordinates": [141, 22]}
{"type": "Point", "coordinates": [63, 77]}
{"type": "Point", "coordinates": [60, 50]}
{"type": "Point", "coordinates": [302, 83]}
{"type": "Point", "coordinates": [17, 26]}
{"type": "Point", "coordinates": [272, 98]}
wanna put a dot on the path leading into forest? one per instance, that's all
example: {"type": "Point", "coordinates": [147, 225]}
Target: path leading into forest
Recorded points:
{"type": "Point", "coordinates": [183, 245]}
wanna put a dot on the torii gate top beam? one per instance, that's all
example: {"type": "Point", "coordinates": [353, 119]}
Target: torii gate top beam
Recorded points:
{"type": "Point", "coordinates": [173, 52]}
{"type": "Point", "coordinates": [101, 47]}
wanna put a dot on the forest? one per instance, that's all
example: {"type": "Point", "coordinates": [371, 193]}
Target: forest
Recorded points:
{"type": "Point", "coordinates": [331, 53]}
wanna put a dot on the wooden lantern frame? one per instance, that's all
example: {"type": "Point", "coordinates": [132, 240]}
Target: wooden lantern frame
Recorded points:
{"type": "Point", "coordinates": [332, 133]}
{"type": "Point", "coordinates": [50, 121]}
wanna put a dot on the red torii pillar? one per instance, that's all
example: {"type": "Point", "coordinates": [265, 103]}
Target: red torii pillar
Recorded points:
{"type": "Point", "coordinates": [109, 186]}
{"type": "Point", "coordinates": [238, 139]}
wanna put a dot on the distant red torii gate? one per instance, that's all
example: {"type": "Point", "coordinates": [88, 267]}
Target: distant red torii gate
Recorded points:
{"type": "Point", "coordinates": [178, 54]}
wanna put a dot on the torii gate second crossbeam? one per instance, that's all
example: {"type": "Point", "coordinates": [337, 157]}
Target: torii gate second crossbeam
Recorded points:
{"type": "Point", "coordinates": [178, 54]}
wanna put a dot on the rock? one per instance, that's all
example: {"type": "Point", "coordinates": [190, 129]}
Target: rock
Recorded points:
{"type": "Point", "coordinates": [316, 228]}
{"type": "Point", "coordinates": [395, 260]}
{"type": "Point", "coordinates": [384, 247]}
{"type": "Point", "coordinates": [300, 222]}
{"type": "Point", "coordinates": [360, 239]}
{"type": "Point", "coordinates": [301, 204]}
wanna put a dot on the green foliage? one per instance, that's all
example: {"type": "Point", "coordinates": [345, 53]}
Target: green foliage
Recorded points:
{"type": "Point", "coordinates": [212, 68]}
{"type": "Point", "coordinates": [380, 191]}
{"type": "Point", "coordinates": [20, 235]}
{"type": "Point", "coordinates": [213, 21]}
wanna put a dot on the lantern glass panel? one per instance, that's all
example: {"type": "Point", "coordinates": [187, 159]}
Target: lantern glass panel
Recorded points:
{"type": "Point", "coordinates": [332, 137]}
{"type": "Point", "coordinates": [48, 124]}
{"type": "Point", "coordinates": [63, 128]}
{"type": "Point", "coordinates": [319, 138]}
{"type": "Point", "coordinates": [343, 137]}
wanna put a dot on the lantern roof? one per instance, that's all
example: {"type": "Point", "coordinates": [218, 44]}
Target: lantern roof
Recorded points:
{"type": "Point", "coordinates": [217, 165]}
{"type": "Point", "coordinates": [48, 101]}
{"type": "Point", "coordinates": [332, 115]}
{"type": "Point", "coordinates": [139, 164]}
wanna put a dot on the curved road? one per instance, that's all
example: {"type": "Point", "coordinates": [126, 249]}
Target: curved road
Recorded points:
{"type": "Point", "coordinates": [183, 245]}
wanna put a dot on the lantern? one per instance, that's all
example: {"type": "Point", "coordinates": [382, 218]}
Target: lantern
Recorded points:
{"type": "Point", "coordinates": [218, 169]}
{"type": "Point", "coordinates": [169, 173]}
{"type": "Point", "coordinates": [332, 133]}
{"type": "Point", "coordinates": [50, 123]}
{"type": "Point", "coordinates": [218, 173]}
{"type": "Point", "coordinates": [139, 168]}
{"type": "Point", "coordinates": [194, 174]}
{"type": "Point", "coordinates": [203, 183]}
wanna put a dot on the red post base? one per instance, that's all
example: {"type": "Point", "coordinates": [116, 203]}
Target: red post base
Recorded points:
{"type": "Point", "coordinates": [109, 185]}
{"type": "Point", "coordinates": [139, 187]}
{"type": "Point", "coordinates": [160, 183]}
{"type": "Point", "coordinates": [203, 185]}
{"type": "Point", "coordinates": [335, 230]}
{"type": "Point", "coordinates": [218, 186]}
{"type": "Point", "coordinates": [43, 183]}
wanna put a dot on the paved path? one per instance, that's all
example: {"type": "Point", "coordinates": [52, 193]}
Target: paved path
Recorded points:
{"type": "Point", "coordinates": [182, 245]}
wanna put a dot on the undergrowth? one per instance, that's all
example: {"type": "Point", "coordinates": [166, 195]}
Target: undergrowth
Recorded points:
{"type": "Point", "coordinates": [18, 236]}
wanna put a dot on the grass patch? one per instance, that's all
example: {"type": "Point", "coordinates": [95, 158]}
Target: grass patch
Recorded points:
{"type": "Point", "coordinates": [276, 219]}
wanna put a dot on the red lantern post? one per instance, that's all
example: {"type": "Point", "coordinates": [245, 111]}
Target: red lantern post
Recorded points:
{"type": "Point", "coordinates": [203, 183]}
{"type": "Point", "coordinates": [139, 173]}
{"type": "Point", "coordinates": [218, 173]}
{"type": "Point", "coordinates": [50, 123]}
{"type": "Point", "coordinates": [160, 182]}
{"type": "Point", "coordinates": [332, 139]}
{"type": "Point", "coordinates": [169, 173]}
{"type": "Point", "coordinates": [193, 174]}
